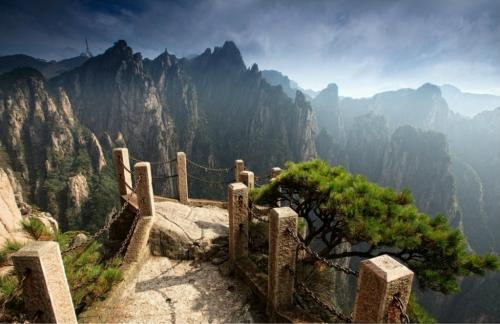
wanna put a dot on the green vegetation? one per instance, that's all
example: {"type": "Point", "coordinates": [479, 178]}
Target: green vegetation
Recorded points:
{"type": "Point", "coordinates": [102, 199]}
{"type": "Point", "coordinates": [9, 247]}
{"type": "Point", "coordinates": [36, 229]}
{"type": "Point", "coordinates": [417, 313]}
{"type": "Point", "coordinates": [340, 207]}
{"type": "Point", "coordinates": [90, 273]}
{"type": "Point", "coordinates": [90, 277]}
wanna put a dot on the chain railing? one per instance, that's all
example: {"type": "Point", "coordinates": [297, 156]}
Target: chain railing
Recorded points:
{"type": "Point", "coordinates": [130, 232]}
{"type": "Point", "coordinates": [107, 225]}
{"type": "Point", "coordinates": [326, 306]}
{"type": "Point", "coordinates": [208, 181]}
{"type": "Point", "coordinates": [257, 216]}
{"type": "Point", "coordinates": [404, 318]}
{"type": "Point", "coordinates": [205, 168]}
{"type": "Point", "coordinates": [316, 256]}
{"type": "Point", "coordinates": [155, 162]}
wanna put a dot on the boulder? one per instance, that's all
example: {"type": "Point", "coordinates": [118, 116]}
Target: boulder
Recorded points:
{"type": "Point", "coordinates": [185, 232]}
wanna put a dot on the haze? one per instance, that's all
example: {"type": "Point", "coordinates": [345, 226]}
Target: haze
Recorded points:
{"type": "Point", "coordinates": [363, 46]}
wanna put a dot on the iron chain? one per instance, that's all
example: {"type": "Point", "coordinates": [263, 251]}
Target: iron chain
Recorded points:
{"type": "Point", "coordinates": [154, 163]}
{"type": "Point", "coordinates": [130, 232]}
{"type": "Point", "coordinates": [257, 216]}
{"type": "Point", "coordinates": [208, 181]}
{"type": "Point", "coordinates": [209, 168]}
{"type": "Point", "coordinates": [404, 318]}
{"type": "Point", "coordinates": [165, 177]}
{"type": "Point", "coordinates": [324, 305]}
{"type": "Point", "coordinates": [316, 256]}
{"type": "Point", "coordinates": [106, 226]}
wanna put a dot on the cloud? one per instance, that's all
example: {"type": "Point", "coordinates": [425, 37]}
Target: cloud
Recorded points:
{"type": "Point", "coordinates": [362, 45]}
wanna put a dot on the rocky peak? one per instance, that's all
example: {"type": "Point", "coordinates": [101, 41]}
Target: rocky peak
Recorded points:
{"type": "Point", "coordinates": [228, 56]}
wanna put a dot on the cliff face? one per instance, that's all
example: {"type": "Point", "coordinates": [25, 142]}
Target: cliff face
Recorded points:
{"type": "Point", "coordinates": [212, 107]}
{"type": "Point", "coordinates": [449, 162]}
{"type": "Point", "coordinates": [420, 160]}
{"type": "Point", "coordinates": [42, 141]}
{"type": "Point", "coordinates": [327, 110]}
{"type": "Point", "coordinates": [10, 215]}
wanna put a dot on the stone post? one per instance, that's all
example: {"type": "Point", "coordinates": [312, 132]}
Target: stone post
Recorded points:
{"type": "Point", "coordinates": [145, 200]}
{"type": "Point", "coordinates": [145, 195]}
{"type": "Point", "coordinates": [380, 279]}
{"type": "Point", "coordinates": [248, 178]}
{"type": "Point", "coordinates": [281, 262]}
{"type": "Point", "coordinates": [45, 288]}
{"type": "Point", "coordinates": [275, 172]}
{"type": "Point", "coordinates": [239, 166]}
{"type": "Point", "coordinates": [182, 181]}
{"type": "Point", "coordinates": [237, 206]}
{"type": "Point", "coordinates": [121, 161]}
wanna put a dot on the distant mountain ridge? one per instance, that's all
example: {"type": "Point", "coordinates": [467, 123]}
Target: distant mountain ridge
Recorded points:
{"type": "Point", "coordinates": [468, 104]}
{"type": "Point", "coordinates": [289, 86]}
{"type": "Point", "coordinates": [49, 69]}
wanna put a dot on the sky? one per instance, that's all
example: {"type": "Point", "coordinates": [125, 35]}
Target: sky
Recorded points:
{"type": "Point", "coordinates": [364, 46]}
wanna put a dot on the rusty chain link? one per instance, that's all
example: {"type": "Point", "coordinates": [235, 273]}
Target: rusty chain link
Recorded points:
{"type": "Point", "coordinates": [154, 163]}
{"type": "Point", "coordinates": [316, 256]}
{"type": "Point", "coordinates": [324, 305]}
{"type": "Point", "coordinates": [165, 177]}
{"type": "Point", "coordinates": [106, 226]}
{"type": "Point", "coordinates": [130, 232]}
{"type": "Point", "coordinates": [209, 168]}
{"type": "Point", "coordinates": [208, 181]}
{"type": "Point", "coordinates": [256, 216]}
{"type": "Point", "coordinates": [13, 294]}
{"type": "Point", "coordinates": [403, 317]}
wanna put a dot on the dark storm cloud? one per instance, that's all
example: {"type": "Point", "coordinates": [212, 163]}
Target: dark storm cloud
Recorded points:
{"type": "Point", "coordinates": [365, 46]}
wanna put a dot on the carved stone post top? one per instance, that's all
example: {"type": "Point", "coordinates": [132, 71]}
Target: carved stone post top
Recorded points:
{"type": "Point", "coordinates": [237, 186]}
{"type": "Point", "coordinates": [181, 154]}
{"type": "Point", "coordinates": [283, 212]}
{"type": "Point", "coordinates": [246, 173]}
{"type": "Point", "coordinates": [36, 248]}
{"type": "Point", "coordinates": [120, 149]}
{"type": "Point", "coordinates": [275, 172]}
{"type": "Point", "coordinates": [387, 268]}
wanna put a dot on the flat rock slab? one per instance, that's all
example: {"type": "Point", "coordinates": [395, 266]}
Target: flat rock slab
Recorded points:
{"type": "Point", "coordinates": [170, 291]}
{"type": "Point", "coordinates": [183, 232]}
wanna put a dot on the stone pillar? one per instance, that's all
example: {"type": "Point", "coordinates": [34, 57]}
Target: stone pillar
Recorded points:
{"type": "Point", "coordinates": [237, 207]}
{"type": "Point", "coordinates": [182, 181]}
{"type": "Point", "coordinates": [379, 280]}
{"type": "Point", "coordinates": [281, 262]}
{"type": "Point", "coordinates": [248, 178]}
{"type": "Point", "coordinates": [121, 161]}
{"type": "Point", "coordinates": [275, 172]}
{"type": "Point", "coordinates": [239, 166]}
{"type": "Point", "coordinates": [145, 195]}
{"type": "Point", "coordinates": [145, 199]}
{"type": "Point", "coordinates": [45, 290]}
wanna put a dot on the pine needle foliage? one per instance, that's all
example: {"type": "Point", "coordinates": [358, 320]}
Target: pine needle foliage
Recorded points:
{"type": "Point", "coordinates": [89, 275]}
{"type": "Point", "coordinates": [36, 229]}
{"type": "Point", "coordinates": [341, 207]}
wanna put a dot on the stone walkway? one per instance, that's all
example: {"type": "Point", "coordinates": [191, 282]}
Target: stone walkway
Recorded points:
{"type": "Point", "coordinates": [171, 291]}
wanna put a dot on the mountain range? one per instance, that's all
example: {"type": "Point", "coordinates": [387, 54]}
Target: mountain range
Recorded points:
{"type": "Point", "coordinates": [60, 120]}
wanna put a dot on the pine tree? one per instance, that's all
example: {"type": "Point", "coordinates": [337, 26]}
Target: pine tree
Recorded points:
{"type": "Point", "coordinates": [340, 207]}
